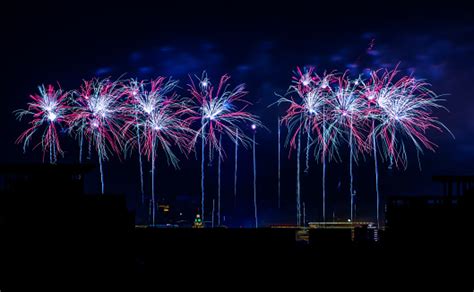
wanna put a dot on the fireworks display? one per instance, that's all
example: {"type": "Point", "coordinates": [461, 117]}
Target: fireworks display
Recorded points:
{"type": "Point", "coordinates": [381, 115]}
{"type": "Point", "coordinates": [333, 110]}
{"type": "Point", "coordinates": [48, 110]}
{"type": "Point", "coordinates": [309, 115]}
{"type": "Point", "coordinates": [217, 109]}
{"type": "Point", "coordinates": [97, 117]}
{"type": "Point", "coordinates": [155, 120]}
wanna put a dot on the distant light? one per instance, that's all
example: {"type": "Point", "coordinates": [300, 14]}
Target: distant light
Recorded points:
{"type": "Point", "coordinates": [371, 97]}
{"type": "Point", "coordinates": [52, 116]}
{"type": "Point", "coordinates": [204, 83]}
{"type": "Point", "coordinates": [254, 126]}
{"type": "Point", "coordinates": [348, 220]}
{"type": "Point", "coordinates": [95, 124]}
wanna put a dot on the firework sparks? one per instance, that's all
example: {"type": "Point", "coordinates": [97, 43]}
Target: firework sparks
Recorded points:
{"type": "Point", "coordinates": [97, 117]}
{"type": "Point", "coordinates": [142, 100]}
{"type": "Point", "coordinates": [400, 110]}
{"type": "Point", "coordinates": [217, 108]}
{"type": "Point", "coordinates": [155, 119]}
{"type": "Point", "coordinates": [308, 115]}
{"type": "Point", "coordinates": [48, 110]}
{"type": "Point", "coordinates": [347, 122]}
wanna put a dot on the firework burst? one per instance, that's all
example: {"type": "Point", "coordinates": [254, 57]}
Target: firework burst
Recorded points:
{"type": "Point", "coordinates": [309, 115]}
{"type": "Point", "coordinates": [48, 110]}
{"type": "Point", "coordinates": [97, 117]}
{"type": "Point", "coordinates": [347, 123]}
{"type": "Point", "coordinates": [155, 119]}
{"type": "Point", "coordinates": [217, 109]}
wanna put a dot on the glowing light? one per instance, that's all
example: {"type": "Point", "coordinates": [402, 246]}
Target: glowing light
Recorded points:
{"type": "Point", "coordinates": [254, 126]}
{"type": "Point", "coordinates": [306, 80]}
{"type": "Point", "coordinates": [47, 110]}
{"type": "Point", "coordinates": [52, 116]}
{"type": "Point", "coordinates": [324, 84]}
{"type": "Point", "coordinates": [148, 109]}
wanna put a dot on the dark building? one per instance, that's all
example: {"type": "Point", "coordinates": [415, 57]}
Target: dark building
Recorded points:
{"type": "Point", "coordinates": [437, 218]}
{"type": "Point", "coordinates": [433, 232]}
{"type": "Point", "coordinates": [50, 226]}
{"type": "Point", "coordinates": [53, 195]}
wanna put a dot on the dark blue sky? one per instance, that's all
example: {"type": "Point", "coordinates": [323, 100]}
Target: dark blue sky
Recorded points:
{"type": "Point", "coordinates": [258, 45]}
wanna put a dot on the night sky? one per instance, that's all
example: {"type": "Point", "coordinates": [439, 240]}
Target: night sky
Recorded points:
{"type": "Point", "coordinates": [259, 45]}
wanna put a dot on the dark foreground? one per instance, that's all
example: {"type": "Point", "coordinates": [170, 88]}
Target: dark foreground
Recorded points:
{"type": "Point", "coordinates": [177, 257]}
{"type": "Point", "coordinates": [52, 240]}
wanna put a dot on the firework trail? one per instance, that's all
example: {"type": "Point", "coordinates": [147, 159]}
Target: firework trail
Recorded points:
{"type": "Point", "coordinates": [308, 114]}
{"type": "Point", "coordinates": [133, 91]}
{"type": "Point", "coordinates": [159, 117]}
{"type": "Point", "coordinates": [308, 144]}
{"type": "Point", "coordinates": [327, 136]}
{"type": "Point", "coordinates": [81, 141]}
{"type": "Point", "coordinates": [374, 145]}
{"type": "Point", "coordinates": [217, 109]}
{"type": "Point", "coordinates": [235, 165]}
{"type": "Point", "coordinates": [48, 110]}
{"type": "Point", "coordinates": [96, 116]}
{"type": "Point", "coordinates": [347, 115]}
{"type": "Point", "coordinates": [298, 187]}
{"type": "Point", "coordinates": [219, 186]}
{"type": "Point", "coordinates": [203, 159]}
{"type": "Point", "coordinates": [213, 212]}
{"type": "Point", "coordinates": [279, 163]}
{"type": "Point", "coordinates": [142, 100]}
{"type": "Point", "coordinates": [254, 128]}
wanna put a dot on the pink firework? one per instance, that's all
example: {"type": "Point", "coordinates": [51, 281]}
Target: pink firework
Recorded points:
{"type": "Point", "coordinates": [218, 110]}
{"type": "Point", "coordinates": [158, 116]}
{"type": "Point", "coordinates": [347, 123]}
{"type": "Point", "coordinates": [403, 110]}
{"type": "Point", "coordinates": [217, 107]}
{"type": "Point", "coordinates": [155, 119]}
{"type": "Point", "coordinates": [309, 114]}
{"type": "Point", "coordinates": [347, 114]}
{"type": "Point", "coordinates": [97, 117]}
{"type": "Point", "coordinates": [399, 111]}
{"type": "Point", "coordinates": [48, 110]}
